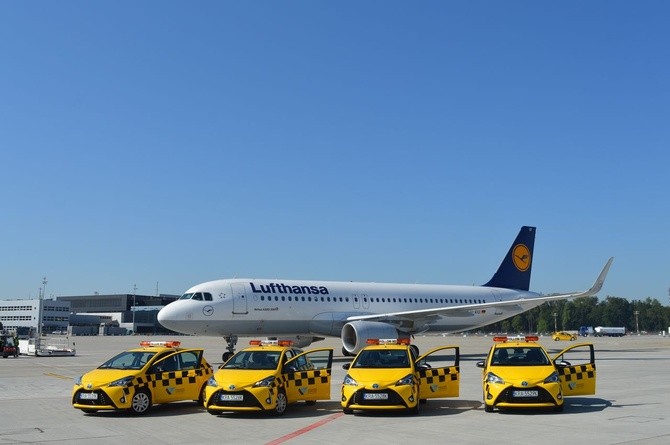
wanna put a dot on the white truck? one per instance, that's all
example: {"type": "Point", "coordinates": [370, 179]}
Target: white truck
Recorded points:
{"type": "Point", "coordinates": [608, 331]}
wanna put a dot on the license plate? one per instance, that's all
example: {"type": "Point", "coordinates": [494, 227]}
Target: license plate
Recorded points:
{"type": "Point", "coordinates": [375, 396]}
{"type": "Point", "coordinates": [524, 393]}
{"type": "Point", "coordinates": [88, 396]}
{"type": "Point", "coordinates": [232, 397]}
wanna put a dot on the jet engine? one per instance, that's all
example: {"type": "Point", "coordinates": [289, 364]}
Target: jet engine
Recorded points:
{"type": "Point", "coordinates": [355, 334]}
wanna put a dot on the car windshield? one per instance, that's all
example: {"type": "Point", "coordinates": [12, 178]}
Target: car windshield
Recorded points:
{"type": "Point", "coordinates": [254, 360]}
{"type": "Point", "coordinates": [128, 360]}
{"type": "Point", "coordinates": [519, 356]}
{"type": "Point", "coordinates": [385, 358]}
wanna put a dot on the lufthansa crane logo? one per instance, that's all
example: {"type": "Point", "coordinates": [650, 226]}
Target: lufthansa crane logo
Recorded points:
{"type": "Point", "coordinates": [521, 257]}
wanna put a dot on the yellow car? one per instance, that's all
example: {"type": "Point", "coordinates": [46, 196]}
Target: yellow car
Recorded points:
{"type": "Point", "coordinates": [386, 375]}
{"type": "Point", "coordinates": [156, 372]}
{"type": "Point", "coordinates": [268, 376]}
{"type": "Point", "coordinates": [518, 373]}
{"type": "Point", "coordinates": [562, 335]}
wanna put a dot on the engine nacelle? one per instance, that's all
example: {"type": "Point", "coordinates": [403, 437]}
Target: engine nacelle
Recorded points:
{"type": "Point", "coordinates": [356, 334]}
{"type": "Point", "coordinates": [299, 341]}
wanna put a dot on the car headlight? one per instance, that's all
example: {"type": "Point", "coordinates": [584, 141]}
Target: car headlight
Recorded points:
{"type": "Point", "coordinates": [122, 382]}
{"type": "Point", "coordinates": [268, 381]}
{"type": "Point", "coordinates": [492, 378]}
{"type": "Point", "coordinates": [553, 378]}
{"type": "Point", "coordinates": [407, 380]}
{"type": "Point", "coordinates": [212, 382]}
{"type": "Point", "coordinates": [77, 381]}
{"type": "Point", "coordinates": [348, 380]}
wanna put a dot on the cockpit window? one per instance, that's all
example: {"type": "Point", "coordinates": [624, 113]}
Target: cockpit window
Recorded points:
{"type": "Point", "coordinates": [199, 296]}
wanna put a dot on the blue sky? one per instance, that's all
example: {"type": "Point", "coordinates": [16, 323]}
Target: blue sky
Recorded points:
{"type": "Point", "coordinates": [169, 143]}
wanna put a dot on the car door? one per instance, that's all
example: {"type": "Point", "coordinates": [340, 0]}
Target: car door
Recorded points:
{"type": "Point", "coordinates": [177, 376]}
{"type": "Point", "coordinates": [576, 368]}
{"type": "Point", "coordinates": [307, 375]}
{"type": "Point", "coordinates": [438, 371]}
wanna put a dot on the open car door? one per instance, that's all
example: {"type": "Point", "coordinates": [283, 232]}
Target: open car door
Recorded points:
{"type": "Point", "coordinates": [177, 376]}
{"type": "Point", "coordinates": [576, 368]}
{"type": "Point", "coordinates": [307, 376]}
{"type": "Point", "coordinates": [438, 371]}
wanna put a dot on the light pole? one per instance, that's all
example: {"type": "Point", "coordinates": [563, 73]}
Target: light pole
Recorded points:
{"type": "Point", "coordinates": [637, 324]}
{"type": "Point", "coordinates": [134, 295]}
{"type": "Point", "coordinates": [555, 314]}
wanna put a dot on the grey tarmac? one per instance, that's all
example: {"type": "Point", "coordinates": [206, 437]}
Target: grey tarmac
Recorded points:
{"type": "Point", "coordinates": [632, 404]}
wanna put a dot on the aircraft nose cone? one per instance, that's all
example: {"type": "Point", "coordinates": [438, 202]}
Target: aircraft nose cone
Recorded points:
{"type": "Point", "coordinates": [168, 316]}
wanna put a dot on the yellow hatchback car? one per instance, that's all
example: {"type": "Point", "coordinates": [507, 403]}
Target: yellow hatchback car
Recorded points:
{"type": "Point", "coordinates": [386, 375]}
{"type": "Point", "coordinates": [268, 376]}
{"type": "Point", "coordinates": [518, 373]}
{"type": "Point", "coordinates": [134, 380]}
{"type": "Point", "coordinates": [562, 335]}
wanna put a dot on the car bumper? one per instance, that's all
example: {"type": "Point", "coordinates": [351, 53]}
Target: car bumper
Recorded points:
{"type": "Point", "coordinates": [251, 399]}
{"type": "Point", "coordinates": [509, 396]}
{"type": "Point", "coordinates": [363, 398]}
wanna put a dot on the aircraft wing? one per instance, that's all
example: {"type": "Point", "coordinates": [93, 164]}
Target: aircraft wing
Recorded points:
{"type": "Point", "coordinates": [426, 316]}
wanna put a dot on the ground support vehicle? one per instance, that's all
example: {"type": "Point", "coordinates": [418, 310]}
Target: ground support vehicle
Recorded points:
{"type": "Point", "coordinates": [134, 380]}
{"type": "Point", "coordinates": [518, 373]}
{"type": "Point", "coordinates": [387, 375]}
{"type": "Point", "coordinates": [8, 345]}
{"type": "Point", "coordinates": [268, 376]}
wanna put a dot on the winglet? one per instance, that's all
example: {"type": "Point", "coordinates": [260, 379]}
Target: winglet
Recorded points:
{"type": "Point", "coordinates": [599, 281]}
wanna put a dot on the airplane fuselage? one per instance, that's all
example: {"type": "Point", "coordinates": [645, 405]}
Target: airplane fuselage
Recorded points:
{"type": "Point", "coordinates": [292, 307]}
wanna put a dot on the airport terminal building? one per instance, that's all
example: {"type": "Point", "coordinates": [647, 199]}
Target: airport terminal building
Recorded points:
{"type": "Point", "coordinates": [86, 314]}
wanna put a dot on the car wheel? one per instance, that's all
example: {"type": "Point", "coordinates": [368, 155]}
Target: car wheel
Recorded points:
{"type": "Point", "coordinates": [416, 409]}
{"type": "Point", "coordinates": [555, 338]}
{"type": "Point", "coordinates": [488, 408]}
{"type": "Point", "coordinates": [573, 338]}
{"type": "Point", "coordinates": [282, 403]}
{"type": "Point", "coordinates": [90, 411]}
{"type": "Point", "coordinates": [559, 408]}
{"type": "Point", "coordinates": [347, 411]}
{"type": "Point", "coordinates": [141, 402]}
{"type": "Point", "coordinates": [310, 402]}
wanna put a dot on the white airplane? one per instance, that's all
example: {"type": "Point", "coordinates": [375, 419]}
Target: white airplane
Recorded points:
{"type": "Point", "coordinates": [306, 311]}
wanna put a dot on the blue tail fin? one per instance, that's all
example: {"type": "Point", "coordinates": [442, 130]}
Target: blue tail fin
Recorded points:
{"type": "Point", "coordinates": [514, 271]}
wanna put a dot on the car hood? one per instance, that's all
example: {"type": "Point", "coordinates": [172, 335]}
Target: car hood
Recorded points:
{"type": "Point", "coordinates": [381, 377]}
{"type": "Point", "coordinates": [240, 377]}
{"type": "Point", "coordinates": [514, 375]}
{"type": "Point", "coordinates": [103, 377]}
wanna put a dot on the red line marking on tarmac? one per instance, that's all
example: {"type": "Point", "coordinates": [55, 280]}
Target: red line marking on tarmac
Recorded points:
{"type": "Point", "coordinates": [305, 430]}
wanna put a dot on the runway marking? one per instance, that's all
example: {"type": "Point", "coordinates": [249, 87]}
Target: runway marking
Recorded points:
{"type": "Point", "coordinates": [305, 430]}
{"type": "Point", "coordinates": [58, 376]}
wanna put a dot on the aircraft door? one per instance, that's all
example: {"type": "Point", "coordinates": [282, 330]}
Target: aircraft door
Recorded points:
{"type": "Point", "coordinates": [439, 373]}
{"type": "Point", "coordinates": [239, 298]}
{"type": "Point", "coordinates": [576, 368]}
{"type": "Point", "coordinates": [307, 376]}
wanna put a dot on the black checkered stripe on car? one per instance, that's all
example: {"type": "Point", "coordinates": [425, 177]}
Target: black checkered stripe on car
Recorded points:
{"type": "Point", "coordinates": [578, 372]}
{"type": "Point", "coordinates": [439, 375]}
{"type": "Point", "coordinates": [174, 378]}
{"type": "Point", "coordinates": [302, 378]}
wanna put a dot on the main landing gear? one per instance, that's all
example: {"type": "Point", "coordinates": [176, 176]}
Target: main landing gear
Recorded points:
{"type": "Point", "coordinates": [231, 340]}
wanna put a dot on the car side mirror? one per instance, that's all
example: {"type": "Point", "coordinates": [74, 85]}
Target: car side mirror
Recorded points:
{"type": "Point", "coordinates": [480, 364]}
{"type": "Point", "coordinates": [346, 366]}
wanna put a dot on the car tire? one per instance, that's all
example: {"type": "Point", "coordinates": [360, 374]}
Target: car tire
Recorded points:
{"type": "Point", "coordinates": [347, 411]}
{"type": "Point", "coordinates": [310, 402]}
{"type": "Point", "coordinates": [416, 409]}
{"type": "Point", "coordinates": [488, 408]}
{"type": "Point", "coordinates": [89, 411]}
{"type": "Point", "coordinates": [559, 408]}
{"type": "Point", "coordinates": [282, 403]}
{"type": "Point", "coordinates": [141, 402]}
